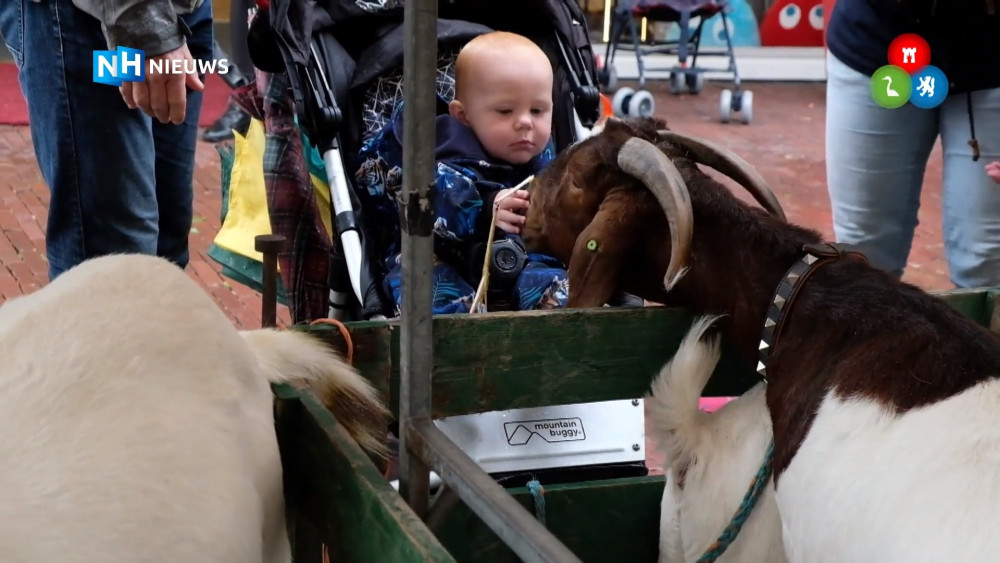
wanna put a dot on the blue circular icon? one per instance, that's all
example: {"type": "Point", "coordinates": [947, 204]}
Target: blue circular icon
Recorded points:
{"type": "Point", "coordinates": [930, 87]}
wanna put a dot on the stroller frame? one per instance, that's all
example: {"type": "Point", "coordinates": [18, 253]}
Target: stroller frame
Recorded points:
{"type": "Point", "coordinates": [627, 101]}
{"type": "Point", "coordinates": [352, 291]}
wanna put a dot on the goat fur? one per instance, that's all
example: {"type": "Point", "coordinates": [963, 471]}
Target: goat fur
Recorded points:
{"type": "Point", "coordinates": [715, 455]}
{"type": "Point", "coordinates": [882, 398]}
{"type": "Point", "coordinates": [138, 422]}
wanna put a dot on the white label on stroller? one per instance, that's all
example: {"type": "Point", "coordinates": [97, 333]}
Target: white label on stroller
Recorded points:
{"type": "Point", "coordinates": [606, 432]}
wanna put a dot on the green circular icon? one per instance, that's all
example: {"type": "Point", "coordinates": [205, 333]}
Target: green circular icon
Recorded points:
{"type": "Point", "coordinates": [891, 86]}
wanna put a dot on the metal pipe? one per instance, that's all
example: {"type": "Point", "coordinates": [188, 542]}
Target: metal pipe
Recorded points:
{"type": "Point", "coordinates": [416, 337]}
{"type": "Point", "coordinates": [270, 246]}
{"type": "Point", "coordinates": [510, 521]}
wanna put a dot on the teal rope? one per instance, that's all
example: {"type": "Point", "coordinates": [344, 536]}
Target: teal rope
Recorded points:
{"type": "Point", "coordinates": [728, 535]}
{"type": "Point", "coordinates": [538, 493]}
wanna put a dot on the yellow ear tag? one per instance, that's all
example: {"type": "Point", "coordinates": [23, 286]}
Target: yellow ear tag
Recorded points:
{"type": "Point", "coordinates": [591, 245]}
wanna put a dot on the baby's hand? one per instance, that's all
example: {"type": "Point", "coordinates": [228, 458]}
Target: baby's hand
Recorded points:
{"type": "Point", "coordinates": [510, 205]}
{"type": "Point", "coordinates": [993, 170]}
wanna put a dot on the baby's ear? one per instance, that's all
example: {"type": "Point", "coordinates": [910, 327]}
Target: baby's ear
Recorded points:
{"type": "Point", "coordinates": [457, 110]}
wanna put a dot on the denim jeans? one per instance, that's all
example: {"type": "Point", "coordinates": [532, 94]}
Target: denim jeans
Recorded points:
{"type": "Point", "coordinates": [875, 163]}
{"type": "Point", "coordinates": [119, 181]}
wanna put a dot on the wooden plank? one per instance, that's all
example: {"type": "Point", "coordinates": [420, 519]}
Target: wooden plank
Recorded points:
{"type": "Point", "coordinates": [600, 521]}
{"type": "Point", "coordinates": [992, 310]}
{"type": "Point", "coordinates": [502, 361]}
{"type": "Point", "coordinates": [338, 495]}
{"type": "Point", "coordinates": [970, 302]}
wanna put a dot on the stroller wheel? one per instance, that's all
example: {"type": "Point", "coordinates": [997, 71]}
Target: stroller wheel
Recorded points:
{"type": "Point", "coordinates": [619, 102]}
{"type": "Point", "coordinates": [695, 82]}
{"type": "Point", "coordinates": [746, 106]}
{"type": "Point", "coordinates": [726, 105]}
{"type": "Point", "coordinates": [641, 104]}
{"type": "Point", "coordinates": [677, 82]}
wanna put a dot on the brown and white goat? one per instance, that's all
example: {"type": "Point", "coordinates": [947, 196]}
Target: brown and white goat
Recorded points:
{"type": "Point", "coordinates": [137, 422]}
{"type": "Point", "coordinates": [883, 399]}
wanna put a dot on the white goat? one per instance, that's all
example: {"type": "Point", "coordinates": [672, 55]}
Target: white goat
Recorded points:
{"type": "Point", "coordinates": [137, 423]}
{"type": "Point", "coordinates": [711, 460]}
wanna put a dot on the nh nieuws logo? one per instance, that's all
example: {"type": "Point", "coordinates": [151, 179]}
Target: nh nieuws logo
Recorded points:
{"type": "Point", "coordinates": [129, 65]}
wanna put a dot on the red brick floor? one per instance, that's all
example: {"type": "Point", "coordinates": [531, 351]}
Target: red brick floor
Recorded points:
{"type": "Point", "coordinates": [23, 214]}
{"type": "Point", "coordinates": [785, 142]}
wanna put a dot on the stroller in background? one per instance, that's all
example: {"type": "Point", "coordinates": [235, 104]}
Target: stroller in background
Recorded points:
{"type": "Point", "coordinates": [626, 13]}
{"type": "Point", "coordinates": [344, 58]}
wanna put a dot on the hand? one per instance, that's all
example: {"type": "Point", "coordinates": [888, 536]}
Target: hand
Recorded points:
{"type": "Point", "coordinates": [993, 170]}
{"type": "Point", "coordinates": [163, 96]}
{"type": "Point", "coordinates": [510, 205]}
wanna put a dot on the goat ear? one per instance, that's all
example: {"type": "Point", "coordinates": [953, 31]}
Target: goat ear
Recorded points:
{"type": "Point", "coordinates": [600, 251]}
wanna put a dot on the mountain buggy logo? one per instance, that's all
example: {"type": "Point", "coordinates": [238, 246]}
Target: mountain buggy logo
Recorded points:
{"type": "Point", "coordinates": [551, 430]}
{"type": "Point", "coordinates": [129, 65]}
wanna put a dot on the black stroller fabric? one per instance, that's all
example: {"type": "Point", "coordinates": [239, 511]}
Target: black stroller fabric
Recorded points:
{"type": "Point", "coordinates": [338, 55]}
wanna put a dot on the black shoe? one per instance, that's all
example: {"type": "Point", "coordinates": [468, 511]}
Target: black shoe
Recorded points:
{"type": "Point", "coordinates": [222, 129]}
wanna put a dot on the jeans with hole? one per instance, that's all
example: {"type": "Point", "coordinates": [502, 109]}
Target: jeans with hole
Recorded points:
{"type": "Point", "coordinates": [119, 181]}
{"type": "Point", "coordinates": [875, 163]}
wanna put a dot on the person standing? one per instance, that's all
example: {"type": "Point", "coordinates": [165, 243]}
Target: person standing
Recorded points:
{"type": "Point", "coordinates": [876, 156]}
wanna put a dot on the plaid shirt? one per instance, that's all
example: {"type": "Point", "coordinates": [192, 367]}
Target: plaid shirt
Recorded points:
{"type": "Point", "coordinates": [291, 202]}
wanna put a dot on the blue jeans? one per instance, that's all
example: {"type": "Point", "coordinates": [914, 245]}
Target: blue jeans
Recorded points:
{"type": "Point", "coordinates": [875, 163]}
{"type": "Point", "coordinates": [119, 181]}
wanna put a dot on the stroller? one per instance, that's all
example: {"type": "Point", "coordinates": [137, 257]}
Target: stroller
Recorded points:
{"type": "Point", "coordinates": [343, 59]}
{"type": "Point", "coordinates": [627, 101]}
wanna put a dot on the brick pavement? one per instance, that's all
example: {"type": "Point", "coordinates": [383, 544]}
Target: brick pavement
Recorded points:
{"type": "Point", "coordinates": [22, 220]}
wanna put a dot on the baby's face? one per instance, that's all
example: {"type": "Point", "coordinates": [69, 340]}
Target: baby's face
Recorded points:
{"type": "Point", "coordinates": [508, 104]}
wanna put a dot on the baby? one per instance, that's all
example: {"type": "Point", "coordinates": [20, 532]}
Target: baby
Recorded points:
{"type": "Point", "coordinates": [503, 94]}
{"type": "Point", "coordinates": [495, 135]}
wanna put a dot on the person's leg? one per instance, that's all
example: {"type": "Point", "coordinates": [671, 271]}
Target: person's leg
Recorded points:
{"type": "Point", "coordinates": [175, 153]}
{"type": "Point", "coordinates": [95, 154]}
{"type": "Point", "coordinates": [541, 286]}
{"type": "Point", "coordinates": [970, 199]}
{"type": "Point", "coordinates": [450, 292]}
{"type": "Point", "coordinates": [875, 162]}
{"type": "Point", "coordinates": [234, 118]}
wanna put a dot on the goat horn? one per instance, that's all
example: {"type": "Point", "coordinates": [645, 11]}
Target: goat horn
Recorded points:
{"type": "Point", "coordinates": [647, 163]}
{"type": "Point", "coordinates": [730, 164]}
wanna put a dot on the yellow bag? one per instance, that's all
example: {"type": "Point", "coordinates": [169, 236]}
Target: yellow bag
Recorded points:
{"type": "Point", "coordinates": [244, 202]}
{"type": "Point", "coordinates": [246, 215]}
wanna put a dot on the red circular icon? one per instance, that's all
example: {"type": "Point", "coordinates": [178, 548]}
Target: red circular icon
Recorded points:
{"type": "Point", "coordinates": [909, 52]}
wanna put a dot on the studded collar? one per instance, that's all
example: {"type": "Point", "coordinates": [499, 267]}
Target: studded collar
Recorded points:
{"type": "Point", "coordinates": [814, 257]}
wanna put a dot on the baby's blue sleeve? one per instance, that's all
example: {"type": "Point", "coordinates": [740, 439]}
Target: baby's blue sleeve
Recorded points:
{"type": "Point", "coordinates": [457, 203]}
